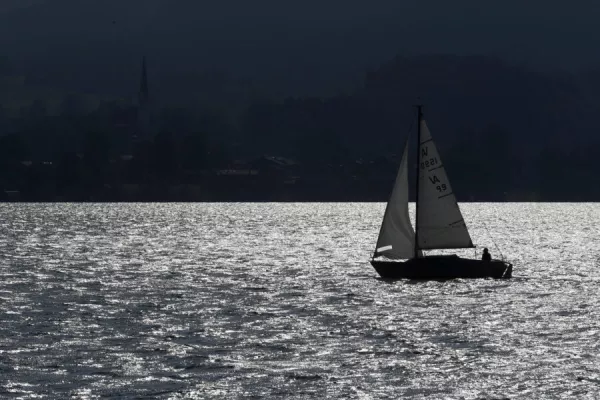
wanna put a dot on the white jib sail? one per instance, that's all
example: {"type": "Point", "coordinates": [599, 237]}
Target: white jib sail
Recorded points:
{"type": "Point", "coordinates": [396, 237]}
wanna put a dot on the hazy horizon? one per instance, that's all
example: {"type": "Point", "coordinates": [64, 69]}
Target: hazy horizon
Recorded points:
{"type": "Point", "coordinates": [302, 48]}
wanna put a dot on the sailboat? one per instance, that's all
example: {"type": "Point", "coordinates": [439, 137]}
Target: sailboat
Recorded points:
{"type": "Point", "coordinates": [439, 224]}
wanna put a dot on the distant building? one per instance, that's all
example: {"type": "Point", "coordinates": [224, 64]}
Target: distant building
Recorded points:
{"type": "Point", "coordinates": [144, 128]}
{"type": "Point", "coordinates": [273, 166]}
{"type": "Point", "coordinates": [237, 168]}
{"type": "Point", "coordinates": [236, 172]}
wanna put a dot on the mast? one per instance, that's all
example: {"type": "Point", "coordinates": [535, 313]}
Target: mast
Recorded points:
{"type": "Point", "coordinates": [419, 117]}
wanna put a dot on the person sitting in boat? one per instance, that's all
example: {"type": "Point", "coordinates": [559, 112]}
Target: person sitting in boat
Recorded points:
{"type": "Point", "coordinates": [486, 255]}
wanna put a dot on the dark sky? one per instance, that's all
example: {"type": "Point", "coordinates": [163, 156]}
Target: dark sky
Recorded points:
{"type": "Point", "coordinates": [311, 37]}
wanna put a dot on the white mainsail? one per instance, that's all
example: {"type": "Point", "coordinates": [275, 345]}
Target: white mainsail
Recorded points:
{"type": "Point", "coordinates": [440, 222]}
{"type": "Point", "coordinates": [396, 237]}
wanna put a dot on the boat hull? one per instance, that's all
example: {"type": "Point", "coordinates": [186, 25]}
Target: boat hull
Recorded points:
{"type": "Point", "coordinates": [442, 268]}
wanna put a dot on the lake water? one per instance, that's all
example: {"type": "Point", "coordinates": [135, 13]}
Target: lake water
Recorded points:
{"type": "Point", "coordinates": [235, 301]}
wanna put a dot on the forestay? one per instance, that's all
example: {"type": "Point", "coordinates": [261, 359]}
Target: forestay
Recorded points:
{"type": "Point", "coordinates": [440, 222]}
{"type": "Point", "coordinates": [396, 237]}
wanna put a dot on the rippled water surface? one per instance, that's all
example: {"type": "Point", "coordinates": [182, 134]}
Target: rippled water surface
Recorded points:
{"type": "Point", "coordinates": [191, 301]}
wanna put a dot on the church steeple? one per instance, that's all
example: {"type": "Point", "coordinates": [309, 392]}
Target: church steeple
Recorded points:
{"type": "Point", "coordinates": [143, 95]}
{"type": "Point", "coordinates": [144, 108]}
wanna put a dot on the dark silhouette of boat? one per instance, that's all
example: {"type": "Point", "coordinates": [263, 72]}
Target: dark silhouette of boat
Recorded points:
{"type": "Point", "coordinates": [439, 224]}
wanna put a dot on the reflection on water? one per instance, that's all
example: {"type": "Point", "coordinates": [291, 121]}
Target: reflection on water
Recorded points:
{"type": "Point", "coordinates": [278, 301]}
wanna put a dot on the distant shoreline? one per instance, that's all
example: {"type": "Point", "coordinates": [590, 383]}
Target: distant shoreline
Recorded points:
{"type": "Point", "coordinates": [242, 191]}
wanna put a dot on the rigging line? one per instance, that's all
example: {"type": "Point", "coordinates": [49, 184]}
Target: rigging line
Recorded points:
{"type": "Point", "coordinates": [411, 126]}
{"type": "Point", "coordinates": [493, 241]}
{"type": "Point", "coordinates": [412, 122]}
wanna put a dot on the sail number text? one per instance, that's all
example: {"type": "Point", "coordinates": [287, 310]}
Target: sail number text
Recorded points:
{"type": "Point", "coordinates": [432, 162]}
{"type": "Point", "coordinates": [441, 187]}
{"type": "Point", "coordinates": [428, 162]}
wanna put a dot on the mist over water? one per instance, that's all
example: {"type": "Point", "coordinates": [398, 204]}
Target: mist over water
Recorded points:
{"type": "Point", "coordinates": [190, 301]}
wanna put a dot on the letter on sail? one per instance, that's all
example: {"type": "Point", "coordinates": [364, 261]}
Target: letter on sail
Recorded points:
{"type": "Point", "coordinates": [441, 224]}
{"type": "Point", "coordinates": [396, 237]}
